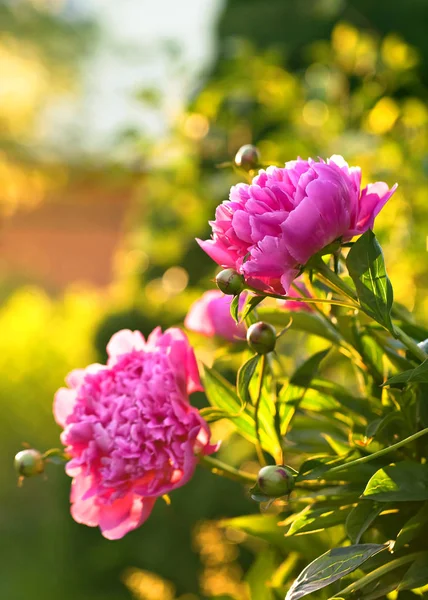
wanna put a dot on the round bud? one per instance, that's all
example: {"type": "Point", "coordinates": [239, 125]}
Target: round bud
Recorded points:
{"type": "Point", "coordinates": [275, 480]}
{"type": "Point", "coordinates": [230, 282]}
{"type": "Point", "coordinates": [28, 463]}
{"type": "Point", "coordinates": [261, 337]}
{"type": "Point", "coordinates": [424, 345]}
{"type": "Point", "coordinates": [248, 157]}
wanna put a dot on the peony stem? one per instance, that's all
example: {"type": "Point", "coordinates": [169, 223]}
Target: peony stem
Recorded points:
{"type": "Point", "coordinates": [364, 459]}
{"type": "Point", "coordinates": [302, 298]}
{"type": "Point", "coordinates": [259, 450]}
{"type": "Point", "coordinates": [328, 276]}
{"type": "Point", "coordinates": [224, 470]}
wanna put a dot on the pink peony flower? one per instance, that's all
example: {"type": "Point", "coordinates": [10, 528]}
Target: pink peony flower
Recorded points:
{"type": "Point", "coordinates": [270, 229]}
{"type": "Point", "coordinates": [210, 316]}
{"type": "Point", "coordinates": [130, 430]}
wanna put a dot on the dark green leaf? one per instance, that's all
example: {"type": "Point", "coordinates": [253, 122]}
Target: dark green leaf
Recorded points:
{"type": "Point", "coordinates": [402, 482]}
{"type": "Point", "coordinates": [366, 266]}
{"type": "Point", "coordinates": [330, 567]}
{"type": "Point", "coordinates": [302, 321]}
{"type": "Point", "coordinates": [417, 575]}
{"type": "Point", "coordinates": [412, 528]}
{"type": "Point", "coordinates": [250, 304]}
{"type": "Point", "coordinates": [378, 425]}
{"type": "Point", "coordinates": [244, 377]}
{"type": "Point", "coordinates": [303, 375]}
{"type": "Point", "coordinates": [316, 519]}
{"type": "Point", "coordinates": [234, 308]}
{"type": "Point", "coordinates": [417, 375]}
{"type": "Point", "coordinates": [361, 517]}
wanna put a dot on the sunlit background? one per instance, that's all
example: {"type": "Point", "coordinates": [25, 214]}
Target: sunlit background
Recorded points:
{"type": "Point", "coordinates": [114, 119]}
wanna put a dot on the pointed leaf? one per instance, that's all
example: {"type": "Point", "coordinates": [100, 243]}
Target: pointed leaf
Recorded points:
{"type": "Point", "coordinates": [305, 373]}
{"type": "Point", "coordinates": [234, 308]}
{"type": "Point", "coordinates": [330, 567]}
{"type": "Point", "coordinates": [250, 304]}
{"type": "Point", "coordinates": [417, 575]}
{"type": "Point", "coordinates": [221, 395]}
{"type": "Point", "coordinates": [361, 517]}
{"type": "Point", "coordinates": [316, 519]}
{"type": "Point", "coordinates": [412, 528]}
{"type": "Point", "coordinates": [402, 482]}
{"type": "Point", "coordinates": [366, 266]}
{"type": "Point", "coordinates": [417, 375]}
{"type": "Point", "coordinates": [244, 377]}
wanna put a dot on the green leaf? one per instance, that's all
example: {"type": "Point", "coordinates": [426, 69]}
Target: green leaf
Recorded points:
{"type": "Point", "coordinates": [302, 321]}
{"type": "Point", "coordinates": [260, 573]}
{"type": "Point", "coordinates": [417, 575]}
{"type": "Point", "coordinates": [366, 266]}
{"type": "Point", "coordinates": [304, 374]}
{"type": "Point", "coordinates": [314, 469]}
{"type": "Point", "coordinates": [250, 304]}
{"type": "Point", "coordinates": [316, 519]}
{"type": "Point", "coordinates": [221, 395]}
{"type": "Point", "coordinates": [361, 517]}
{"type": "Point", "coordinates": [265, 527]}
{"type": "Point", "coordinates": [234, 308]}
{"type": "Point", "coordinates": [402, 482]}
{"type": "Point", "coordinates": [365, 407]}
{"type": "Point", "coordinates": [330, 567]}
{"type": "Point", "coordinates": [417, 375]}
{"type": "Point", "coordinates": [412, 528]}
{"type": "Point", "coordinates": [244, 377]}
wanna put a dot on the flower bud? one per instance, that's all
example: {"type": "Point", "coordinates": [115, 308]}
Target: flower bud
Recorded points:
{"type": "Point", "coordinates": [28, 463]}
{"type": "Point", "coordinates": [230, 282]}
{"type": "Point", "coordinates": [261, 337]}
{"type": "Point", "coordinates": [248, 157]}
{"type": "Point", "coordinates": [275, 480]}
{"type": "Point", "coordinates": [424, 345]}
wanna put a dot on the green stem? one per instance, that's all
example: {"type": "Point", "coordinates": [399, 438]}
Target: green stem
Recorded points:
{"type": "Point", "coordinates": [365, 459]}
{"type": "Point", "coordinates": [328, 276]}
{"type": "Point", "coordinates": [379, 572]}
{"type": "Point", "coordinates": [224, 470]}
{"type": "Point", "coordinates": [302, 299]}
{"type": "Point", "coordinates": [259, 449]}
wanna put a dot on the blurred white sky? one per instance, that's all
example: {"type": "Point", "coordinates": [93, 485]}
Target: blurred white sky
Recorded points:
{"type": "Point", "coordinates": [132, 55]}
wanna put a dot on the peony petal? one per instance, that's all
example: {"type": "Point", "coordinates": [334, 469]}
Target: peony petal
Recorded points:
{"type": "Point", "coordinates": [218, 252]}
{"type": "Point", "coordinates": [183, 358]}
{"type": "Point", "coordinates": [64, 403]}
{"type": "Point", "coordinates": [198, 318]}
{"type": "Point", "coordinates": [123, 342]}
{"type": "Point", "coordinates": [124, 515]}
{"type": "Point", "coordinates": [373, 198]}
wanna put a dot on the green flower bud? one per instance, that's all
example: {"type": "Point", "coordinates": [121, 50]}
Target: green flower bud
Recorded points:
{"type": "Point", "coordinates": [28, 463]}
{"type": "Point", "coordinates": [424, 345]}
{"type": "Point", "coordinates": [275, 480]}
{"type": "Point", "coordinates": [248, 158]}
{"type": "Point", "coordinates": [261, 337]}
{"type": "Point", "coordinates": [230, 282]}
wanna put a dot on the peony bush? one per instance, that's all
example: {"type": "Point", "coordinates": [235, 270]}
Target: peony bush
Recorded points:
{"type": "Point", "coordinates": [339, 444]}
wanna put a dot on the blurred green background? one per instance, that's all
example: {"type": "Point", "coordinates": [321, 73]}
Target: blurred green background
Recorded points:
{"type": "Point", "coordinates": [115, 119]}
